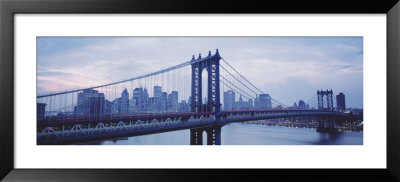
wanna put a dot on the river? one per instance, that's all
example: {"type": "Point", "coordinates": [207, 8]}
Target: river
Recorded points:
{"type": "Point", "coordinates": [246, 134]}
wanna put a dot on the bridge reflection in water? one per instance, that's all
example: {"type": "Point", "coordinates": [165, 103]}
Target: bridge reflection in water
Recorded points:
{"type": "Point", "coordinates": [245, 134]}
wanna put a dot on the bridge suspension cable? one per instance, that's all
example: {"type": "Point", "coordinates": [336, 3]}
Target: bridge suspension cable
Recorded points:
{"type": "Point", "coordinates": [237, 79]}
{"type": "Point", "coordinates": [130, 79]}
{"type": "Point", "coordinates": [311, 99]}
{"type": "Point", "coordinates": [235, 90]}
{"type": "Point", "coordinates": [272, 99]}
{"type": "Point", "coordinates": [243, 92]}
{"type": "Point", "coordinates": [241, 75]}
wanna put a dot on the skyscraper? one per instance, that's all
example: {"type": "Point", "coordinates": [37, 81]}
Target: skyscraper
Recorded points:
{"type": "Point", "coordinates": [163, 101]}
{"type": "Point", "coordinates": [145, 99]}
{"type": "Point", "coordinates": [229, 100]}
{"type": "Point", "coordinates": [124, 101]}
{"type": "Point", "coordinates": [256, 103]}
{"type": "Point", "coordinates": [90, 102]}
{"type": "Point", "coordinates": [265, 101]}
{"type": "Point", "coordinates": [302, 105]}
{"type": "Point", "coordinates": [157, 92]}
{"type": "Point", "coordinates": [116, 106]}
{"type": "Point", "coordinates": [243, 105]}
{"type": "Point", "coordinates": [145, 94]}
{"type": "Point", "coordinates": [174, 101]}
{"type": "Point", "coordinates": [137, 98]}
{"type": "Point", "coordinates": [341, 102]}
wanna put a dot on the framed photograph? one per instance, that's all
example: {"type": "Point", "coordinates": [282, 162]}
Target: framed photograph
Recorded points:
{"type": "Point", "coordinates": [128, 90]}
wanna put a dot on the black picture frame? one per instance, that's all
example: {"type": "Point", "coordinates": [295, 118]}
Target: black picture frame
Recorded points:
{"type": "Point", "coordinates": [8, 8]}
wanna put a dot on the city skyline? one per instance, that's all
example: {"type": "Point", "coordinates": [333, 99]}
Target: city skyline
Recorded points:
{"type": "Point", "coordinates": [90, 101]}
{"type": "Point", "coordinates": [102, 60]}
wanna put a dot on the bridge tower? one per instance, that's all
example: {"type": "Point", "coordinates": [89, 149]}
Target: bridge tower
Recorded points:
{"type": "Point", "coordinates": [329, 100]}
{"type": "Point", "coordinates": [211, 64]}
{"type": "Point", "coordinates": [325, 124]}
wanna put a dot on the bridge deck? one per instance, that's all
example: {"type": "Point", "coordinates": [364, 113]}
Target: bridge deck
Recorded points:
{"type": "Point", "coordinates": [58, 130]}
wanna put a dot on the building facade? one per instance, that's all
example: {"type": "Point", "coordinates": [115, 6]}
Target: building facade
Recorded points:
{"type": "Point", "coordinates": [90, 102]}
{"type": "Point", "coordinates": [264, 101]}
{"type": "Point", "coordinates": [341, 102]}
{"type": "Point", "coordinates": [229, 100]}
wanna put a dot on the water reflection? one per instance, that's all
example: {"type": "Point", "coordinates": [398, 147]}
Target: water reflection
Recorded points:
{"type": "Point", "coordinates": [246, 134]}
{"type": "Point", "coordinates": [327, 138]}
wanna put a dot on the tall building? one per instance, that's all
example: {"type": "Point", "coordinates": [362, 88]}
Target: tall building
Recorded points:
{"type": "Point", "coordinates": [151, 104]}
{"type": "Point", "coordinates": [174, 101]}
{"type": "Point", "coordinates": [124, 107]}
{"type": "Point", "coordinates": [256, 103]}
{"type": "Point", "coordinates": [243, 105]}
{"type": "Point", "coordinates": [107, 106]}
{"type": "Point", "coordinates": [229, 100]}
{"type": "Point", "coordinates": [169, 102]}
{"type": "Point", "coordinates": [163, 101]}
{"type": "Point", "coordinates": [145, 99]}
{"type": "Point", "coordinates": [264, 101]}
{"type": "Point", "coordinates": [90, 102]}
{"type": "Point", "coordinates": [302, 105]}
{"type": "Point", "coordinates": [250, 104]}
{"type": "Point", "coordinates": [341, 102]}
{"type": "Point", "coordinates": [41, 107]}
{"type": "Point", "coordinates": [137, 98]}
{"type": "Point", "coordinates": [183, 106]}
{"type": "Point", "coordinates": [116, 106]}
{"type": "Point", "coordinates": [132, 105]}
{"type": "Point", "coordinates": [145, 94]}
{"type": "Point", "coordinates": [157, 92]}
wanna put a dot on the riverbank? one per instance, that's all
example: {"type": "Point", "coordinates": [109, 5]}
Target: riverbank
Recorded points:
{"type": "Point", "coordinates": [311, 124]}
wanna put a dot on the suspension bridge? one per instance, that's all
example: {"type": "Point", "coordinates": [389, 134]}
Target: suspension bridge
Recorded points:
{"type": "Point", "coordinates": [107, 111]}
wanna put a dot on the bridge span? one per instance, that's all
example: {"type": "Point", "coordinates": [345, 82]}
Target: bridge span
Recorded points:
{"type": "Point", "coordinates": [69, 130]}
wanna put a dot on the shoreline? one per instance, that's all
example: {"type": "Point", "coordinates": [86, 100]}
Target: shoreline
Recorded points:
{"type": "Point", "coordinates": [312, 124]}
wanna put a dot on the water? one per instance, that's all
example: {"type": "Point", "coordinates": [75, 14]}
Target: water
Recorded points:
{"type": "Point", "coordinates": [246, 134]}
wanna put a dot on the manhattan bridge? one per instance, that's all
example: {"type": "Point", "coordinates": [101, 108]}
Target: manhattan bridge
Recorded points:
{"type": "Point", "coordinates": [106, 111]}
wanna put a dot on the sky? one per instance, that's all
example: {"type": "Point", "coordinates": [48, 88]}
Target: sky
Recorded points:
{"type": "Point", "coordinates": [287, 68]}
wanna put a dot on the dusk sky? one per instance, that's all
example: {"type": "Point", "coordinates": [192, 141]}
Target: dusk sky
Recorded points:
{"type": "Point", "coordinates": [287, 68]}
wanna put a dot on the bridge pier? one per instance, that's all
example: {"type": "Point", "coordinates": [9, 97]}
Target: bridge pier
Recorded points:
{"type": "Point", "coordinates": [213, 135]}
{"type": "Point", "coordinates": [323, 128]}
{"type": "Point", "coordinates": [196, 136]}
